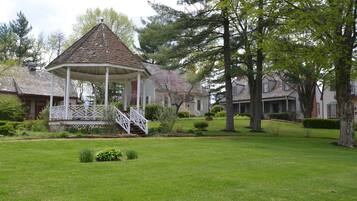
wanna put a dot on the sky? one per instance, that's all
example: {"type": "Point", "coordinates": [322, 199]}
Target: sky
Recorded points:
{"type": "Point", "coordinates": [47, 16]}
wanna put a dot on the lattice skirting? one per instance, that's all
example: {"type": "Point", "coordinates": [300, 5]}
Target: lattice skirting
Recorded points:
{"type": "Point", "coordinates": [58, 126]}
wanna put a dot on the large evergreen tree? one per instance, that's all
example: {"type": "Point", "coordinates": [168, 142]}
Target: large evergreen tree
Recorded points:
{"type": "Point", "coordinates": [7, 43]}
{"type": "Point", "coordinates": [21, 28]}
{"type": "Point", "coordinates": [200, 36]}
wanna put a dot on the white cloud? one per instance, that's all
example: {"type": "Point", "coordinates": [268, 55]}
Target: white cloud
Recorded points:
{"type": "Point", "coordinates": [47, 16]}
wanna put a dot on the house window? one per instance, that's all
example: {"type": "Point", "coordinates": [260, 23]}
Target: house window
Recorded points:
{"type": "Point", "coordinates": [265, 87]}
{"type": "Point", "coordinates": [331, 110]}
{"type": "Point", "coordinates": [318, 109]}
{"type": "Point", "coordinates": [199, 105]}
{"type": "Point", "coordinates": [147, 99]}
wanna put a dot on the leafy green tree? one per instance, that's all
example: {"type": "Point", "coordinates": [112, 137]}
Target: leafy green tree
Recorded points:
{"type": "Point", "coordinates": [253, 21]}
{"type": "Point", "coordinates": [21, 28]}
{"type": "Point", "coordinates": [119, 23]}
{"type": "Point", "coordinates": [333, 24]}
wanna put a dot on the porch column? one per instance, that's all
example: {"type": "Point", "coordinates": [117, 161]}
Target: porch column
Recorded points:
{"type": "Point", "coordinates": [106, 87]}
{"type": "Point", "coordinates": [51, 97]}
{"type": "Point", "coordinates": [138, 91]}
{"type": "Point", "coordinates": [144, 96]}
{"type": "Point", "coordinates": [239, 107]}
{"type": "Point", "coordinates": [263, 107]}
{"type": "Point", "coordinates": [125, 95]}
{"type": "Point", "coordinates": [68, 79]}
{"type": "Point", "coordinates": [287, 104]}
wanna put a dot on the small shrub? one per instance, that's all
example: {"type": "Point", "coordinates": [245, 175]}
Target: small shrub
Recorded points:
{"type": "Point", "coordinates": [321, 123]}
{"type": "Point", "coordinates": [221, 114]}
{"type": "Point", "coordinates": [201, 125]}
{"type": "Point", "coordinates": [86, 156]}
{"type": "Point", "coordinates": [72, 130]}
{"type": "Point", "coordinates": [151, 111]}
{"type": "Point", "coordinates": [7, 128]}
{"type": "Point", "coordinates": [179, 130]}
{"type": "Point", "coordinates": [217, 108]}
{"type": "Point", "coordinates": [11, 108]}
{"type": "Point", "coordinates": [109, 155]}
{"type": "Point", "coordinates": [45, 114]}
{"type": "Point", "coordinates": [167, 118]}
{"type": "Point", "coordinates": [183, 114]}
{"type": "Point", "coordinates": [131, 154]}
{"type": "Point", "coordinates": [62, 135]}
{"type": "Point", "coordinates": [39, 126]}
{"type": "Point", "coordinates": [209, 118]}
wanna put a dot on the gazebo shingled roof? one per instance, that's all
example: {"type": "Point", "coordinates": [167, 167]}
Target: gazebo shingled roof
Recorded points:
{"type": "Point", "coordinates": [97, 49]}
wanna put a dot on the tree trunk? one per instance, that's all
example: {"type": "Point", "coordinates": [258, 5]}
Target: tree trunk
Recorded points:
{"type": "Point", "coordinates": [306, 92]}
{"type": "Point", "coordinates": [227, 72]}
{"type": "Point", "coordinates": [257, 97]}
{"type": "Point", "coordinates": [344, 103]}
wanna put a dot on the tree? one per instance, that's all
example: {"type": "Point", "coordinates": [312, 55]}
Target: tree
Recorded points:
{"type": "Point", "coordinates": [253, 20]}
{"type": "Point", "coordinates": [55, 42]}
{"type": "Point", "coordinates": [333, 23]}
{"type": "Point", "coordinates": [7, 42]}
{"type": "Point", "coordinates": [119, 23]}
{"type": "Point", "coordinates": [300, 62]}
{"type": "Point", "coordinates": [37, 51]}
{"type": "Point", "coordinates": [21, 28]}
{"type": "Point", "coordinates": [200, 36]}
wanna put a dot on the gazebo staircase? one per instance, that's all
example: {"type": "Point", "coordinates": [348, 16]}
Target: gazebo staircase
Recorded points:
{"type": "Point", "coordinates": [133, 122]}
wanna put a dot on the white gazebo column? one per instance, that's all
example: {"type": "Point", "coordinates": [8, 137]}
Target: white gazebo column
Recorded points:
{"type": "Point", "coordinates": [144, 96]}
{"type": "Point", "coordinates": [106, 87]}
{"type": "Point", "coordinates": [51, 97]}
{"type": "Point", "coordinates": [68, 80]}
{"type": "Point", "coordinates": [125, 95]}
{"type": "Point", "coordinates": [138, 92]}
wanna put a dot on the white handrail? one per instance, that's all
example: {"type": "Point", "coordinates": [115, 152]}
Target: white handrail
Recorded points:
{"type": "Point", "coordinates": [139, 120]}
{"type": "Point", "coordinates": [122, 120]}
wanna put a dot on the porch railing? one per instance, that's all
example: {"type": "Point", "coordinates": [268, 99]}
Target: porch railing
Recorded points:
{"type": "Point", "coordinates": [139, 120]}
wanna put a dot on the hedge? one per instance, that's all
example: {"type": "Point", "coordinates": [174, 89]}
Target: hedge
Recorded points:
{"type": "Point", "coordinates": [321, 123]}
{"type": "Point", "coordinates": [217, 108]}
{"type": "Point", "coordinates": [283, 116]}
{"type": "Point", "coordinates": [183, 114]}
{"type": "Point", "coordinates": [151, 111]}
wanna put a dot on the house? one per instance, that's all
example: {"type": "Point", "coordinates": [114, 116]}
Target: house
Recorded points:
{"type": "Point", "coordinates": [329, 102]}
{"type": "Point", "coordinates": [277, 97]}
{"type": "Point", "coordinates": [167, 87]}
{"type": "Point", "coordinates": [33, 87]}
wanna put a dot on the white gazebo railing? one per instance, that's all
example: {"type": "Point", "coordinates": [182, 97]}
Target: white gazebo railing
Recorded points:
{"type": "Point", "coordinates": [139, 120]}
{"type": "Point", "coordinates": [99, 113]}
{"type": "Point", "coordinates": [122, 120]}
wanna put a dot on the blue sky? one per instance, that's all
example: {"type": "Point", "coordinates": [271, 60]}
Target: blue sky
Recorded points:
{"type": "Point", "coordinates": [47, 16]}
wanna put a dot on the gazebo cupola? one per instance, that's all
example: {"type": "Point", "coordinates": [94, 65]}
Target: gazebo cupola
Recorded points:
{"type": "Point", "coordinates": [97, 56]}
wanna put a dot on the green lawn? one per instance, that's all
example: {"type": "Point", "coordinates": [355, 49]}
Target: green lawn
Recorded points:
{"type": "Point", "coordinates": [247, 166]}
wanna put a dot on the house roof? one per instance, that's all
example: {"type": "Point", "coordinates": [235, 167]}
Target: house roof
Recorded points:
{"type": "Point", "coordinates": [276, 90]}
{"type": "Point", "coordinates": [175, 80]}
{"type": "Point", "coordinates": [22, 81]}
{"type": "Point", "coordinates": [97, 49]}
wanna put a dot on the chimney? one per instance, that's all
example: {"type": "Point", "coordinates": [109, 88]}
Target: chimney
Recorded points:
{"type": "Point", "coordinates": [100, 20]}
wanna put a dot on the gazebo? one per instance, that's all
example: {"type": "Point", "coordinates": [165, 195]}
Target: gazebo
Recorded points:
{"type": "Point", "coordinates": [98, 56]}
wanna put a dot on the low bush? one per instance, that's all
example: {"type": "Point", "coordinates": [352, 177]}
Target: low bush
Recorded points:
{"type": "Point", "coordinates": [131, 154]}
{"type": "Point", "coordinates": [86, 156]}
{"type": "Point", "coordinates": [221, 114]}
{"type": "Point", "coordinates": [244, 114]}
{"type": "Point", "coordinates": [7, 128]}
{"type": "Point", "coordinates": [217, 108]}
{"type": "Point", "coordinates": [11, 108]}
{"type": "Point", "coordinates": [321, 123]}
{"type": "Point", "coordinates": [45, 114]}
{"type": "Point", "coordinates": [283, 116]}
{"type": "Point", "coordinates": [39, 126]}
{"type": "Point", "coordinates": [109, 155]}
{"type": "Point", "coordinates": [167, 118]}
{"type": "Point", "coordinates": [151, 111]}
{"type": "Point", "coordinates": [201, 125]}
{"type": "Point", "coordinates": [183, 114]}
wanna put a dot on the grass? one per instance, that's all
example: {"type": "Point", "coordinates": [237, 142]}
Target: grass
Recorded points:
{"type": "Point", "coordinates": [243, 166]}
